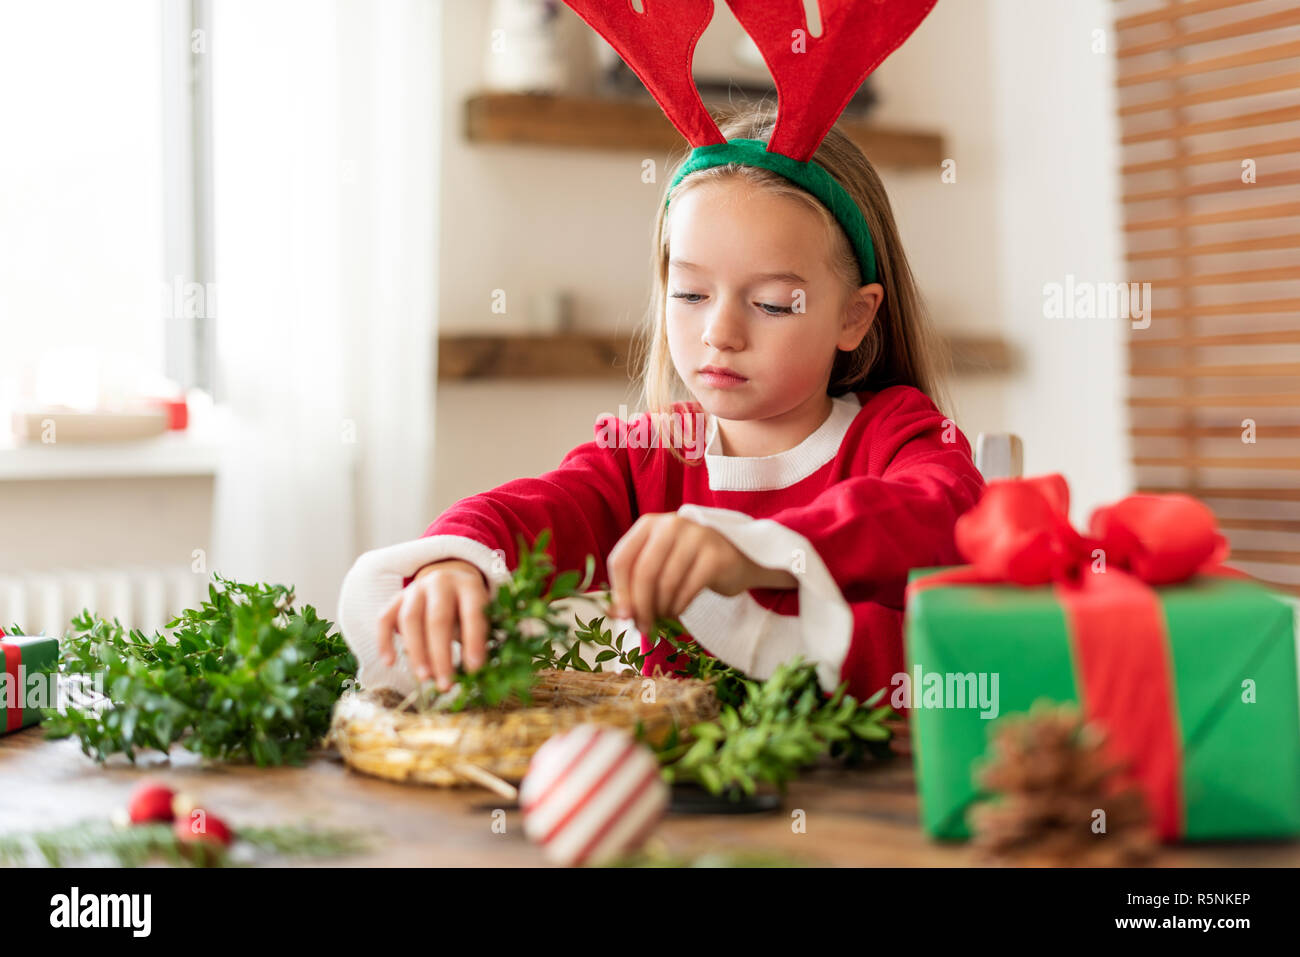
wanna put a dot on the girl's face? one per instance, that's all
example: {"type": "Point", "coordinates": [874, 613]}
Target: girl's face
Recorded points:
{"type": "Point", "coordinates": [754, 313]}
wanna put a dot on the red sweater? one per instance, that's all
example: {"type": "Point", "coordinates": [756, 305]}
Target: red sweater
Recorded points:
{"type": "Point", "coordinates": [873, 492]}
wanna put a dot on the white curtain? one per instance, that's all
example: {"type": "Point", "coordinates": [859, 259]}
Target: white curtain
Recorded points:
{"type": "Point", "coordinates": [325, 133]}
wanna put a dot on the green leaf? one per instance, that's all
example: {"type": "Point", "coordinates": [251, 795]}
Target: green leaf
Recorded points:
{"type": "Point", "coordinates": [229, 686]}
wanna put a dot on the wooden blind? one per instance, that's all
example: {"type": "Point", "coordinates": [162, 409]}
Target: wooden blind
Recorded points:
{"type": "Point", "coordinates": [1209, 106]}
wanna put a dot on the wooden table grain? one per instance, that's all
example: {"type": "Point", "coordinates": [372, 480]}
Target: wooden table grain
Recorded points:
{"type": "Point", "coordinates": [862, 817]}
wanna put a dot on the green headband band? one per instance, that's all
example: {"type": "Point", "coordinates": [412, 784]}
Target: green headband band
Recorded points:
{"type": "Point", "coordinates": [811, 175]}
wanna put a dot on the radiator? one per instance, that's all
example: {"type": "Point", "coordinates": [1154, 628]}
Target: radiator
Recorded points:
{"type": "Point", "coordinates": [140, 597]}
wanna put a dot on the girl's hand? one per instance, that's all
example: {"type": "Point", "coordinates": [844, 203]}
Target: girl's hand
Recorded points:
{"type": "Point", "coordinates": [664, 561]}
{"type": "Point", "coordinates": [445, 602]}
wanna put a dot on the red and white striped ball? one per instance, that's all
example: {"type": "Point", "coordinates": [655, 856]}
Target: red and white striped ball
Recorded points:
{"type": "Point", "coordinates": [590, 794]}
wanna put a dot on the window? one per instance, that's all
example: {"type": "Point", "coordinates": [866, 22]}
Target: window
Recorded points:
{"type": "Point", "coordinates": [1210, 107]}
{"type": "Point", "coordinates": [101, 199]}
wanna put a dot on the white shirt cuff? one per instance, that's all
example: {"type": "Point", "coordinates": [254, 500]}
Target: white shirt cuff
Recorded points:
{"type": "Point", "coordinates": [376, 577]}
{"type": "Point", "coordinates": [744, 634]}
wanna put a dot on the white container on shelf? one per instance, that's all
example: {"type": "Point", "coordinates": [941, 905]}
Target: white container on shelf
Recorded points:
{"type": "Point", "coordinates": [550, 313]}
{"type": "Point", "coordinates": [51, 426]}
{"type": "Point", "coordinates": [524, 50]}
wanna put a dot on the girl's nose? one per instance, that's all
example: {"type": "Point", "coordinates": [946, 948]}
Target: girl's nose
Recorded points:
{"type": "Point", "coordinates": [725, 329]}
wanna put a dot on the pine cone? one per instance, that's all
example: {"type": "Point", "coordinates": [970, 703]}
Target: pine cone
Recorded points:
{"type": "Point", "coordinates": [1049, 775]}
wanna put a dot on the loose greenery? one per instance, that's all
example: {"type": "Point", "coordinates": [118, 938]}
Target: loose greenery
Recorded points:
{"type": "Point", "coordinates": [766, 732]}
{"type": "Point", "coordinates": [783, 725]}
{"type": "Point", "coordinates": [611, 645]}
{"type": "Point", "coordinates": [686, 657]}
{"type": "Point", "coordinates": [247, 677]}
{"type": "Point", "coordinates": [729, 685]}
{"type": "Point", "coordinates": [243, 677]}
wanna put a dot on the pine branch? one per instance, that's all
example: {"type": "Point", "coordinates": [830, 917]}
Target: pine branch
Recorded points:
{"type": "Point", "coordinates": [303, 841]}
{"type": "Point", "coordinates": [89, 842]}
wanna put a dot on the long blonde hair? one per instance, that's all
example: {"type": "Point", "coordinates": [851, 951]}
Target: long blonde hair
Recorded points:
{"type": "Point", "coordinates": [900, 347]}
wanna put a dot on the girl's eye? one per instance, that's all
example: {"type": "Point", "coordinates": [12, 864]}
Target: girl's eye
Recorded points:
{"type": "Point", "coordinates": [770, 309]}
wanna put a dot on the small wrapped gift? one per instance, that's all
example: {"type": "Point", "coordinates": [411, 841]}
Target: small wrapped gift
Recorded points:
{"type": "Point", "coordinates": [1188, 666]}
{"type": "Point", "coordinates": [23, 690]}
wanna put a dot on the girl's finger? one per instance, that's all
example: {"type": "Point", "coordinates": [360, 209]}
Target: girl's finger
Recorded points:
{"type": "Point", "coordinates": [387, 622]}
{"type": "Point", "coordinates": [694, 581]}
{"type": "Point", "coordinates": [622, 557]}
{"type": "Point", "coordinates": [410, 626]}
{"type": "Point", "coordinates": [646, 571]}
{"type": "Point", "coordinates": [440, 620]}
{"type": "Point", "coordinates": [679, 560]}
{"type": "Point", "coordinates": [473, 627]}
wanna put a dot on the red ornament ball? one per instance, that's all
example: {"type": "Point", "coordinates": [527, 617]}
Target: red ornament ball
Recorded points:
{"type": "Point", "coordinates": [151, 802]}
{"type": "Point", "coordinates": [202, 827]}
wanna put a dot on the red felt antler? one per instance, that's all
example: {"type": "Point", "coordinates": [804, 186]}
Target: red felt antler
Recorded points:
{"type": "Point", "coordinates": [659, 44]}
{"type": "Point", "coordinates": [816, 79]}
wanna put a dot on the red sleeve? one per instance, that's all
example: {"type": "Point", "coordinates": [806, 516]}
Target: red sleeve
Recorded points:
{"type": "Point", "coordinates": [872, 530]}
{"type": "Point", "coordinates": [588, 502]}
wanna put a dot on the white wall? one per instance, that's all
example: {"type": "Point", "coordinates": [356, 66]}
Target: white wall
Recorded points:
{"type": "Point", "coordinates": [326, 205]}
{"type": "Point", "coordinates": [1058, 213]}
{"type": "Point", "coordinates": [938, 80]}
{"type": "Point", "coordinates": [1026, 111]}
{"type": "Point", "coordinates": [527, 220]}
{"type": "Point", "coordinates": [55, 524]}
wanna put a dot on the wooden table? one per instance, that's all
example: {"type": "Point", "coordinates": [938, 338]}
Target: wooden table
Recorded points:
{"type": "Point", "coordinates": [861, 817]}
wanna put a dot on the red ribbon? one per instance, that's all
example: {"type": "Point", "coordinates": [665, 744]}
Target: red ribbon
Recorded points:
{"type": "Point", "coordinates": [1019, 533]}
{"type": "Point", "coordinates": [13, 660]}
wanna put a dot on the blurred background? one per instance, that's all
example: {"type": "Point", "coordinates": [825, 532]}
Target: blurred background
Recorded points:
{"type": "Point", "coordinates": [279, 281]}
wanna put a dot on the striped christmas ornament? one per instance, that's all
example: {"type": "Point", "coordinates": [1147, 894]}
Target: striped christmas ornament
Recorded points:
{"type": "Point", "coordinates": [590, 794]}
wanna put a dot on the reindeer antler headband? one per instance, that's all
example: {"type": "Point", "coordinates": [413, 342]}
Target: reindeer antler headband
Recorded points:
{"type": "Point", "coordinates": [815, 79]}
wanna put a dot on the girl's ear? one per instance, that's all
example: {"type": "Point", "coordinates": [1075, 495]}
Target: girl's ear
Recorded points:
{"type": "Point", "coordinates": [859, 314]}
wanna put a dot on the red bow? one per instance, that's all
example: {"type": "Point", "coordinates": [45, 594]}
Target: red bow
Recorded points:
{"type": "Point", "coordinates": [1020, 532]}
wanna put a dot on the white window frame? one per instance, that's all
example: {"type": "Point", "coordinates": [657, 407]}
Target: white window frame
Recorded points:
{"type": "Point", "coordinates": [189, 343]}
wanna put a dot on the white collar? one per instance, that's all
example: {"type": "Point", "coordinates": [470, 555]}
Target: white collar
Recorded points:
{"type": "Point", "coordinates": [738, 473]}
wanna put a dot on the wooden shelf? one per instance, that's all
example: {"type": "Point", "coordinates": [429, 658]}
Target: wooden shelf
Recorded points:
{"type": "Point", "coordinates": [976, 355]}
{"type": "Point", "coordinates": [578, 355]}
{"type": "Point", "coordinates": [522, 356]}
{"type": "Point", "coordinates": [638, 125]}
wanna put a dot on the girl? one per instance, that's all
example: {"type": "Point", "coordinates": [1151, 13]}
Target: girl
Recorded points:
{"type": "Point", "coordinates": [828, 470]}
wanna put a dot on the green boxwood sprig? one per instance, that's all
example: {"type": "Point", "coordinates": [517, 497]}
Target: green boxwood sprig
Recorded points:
{"type": "Point", "coordinates": [244, 677]}
{"type": "Point", "coordinates": [781, 726]}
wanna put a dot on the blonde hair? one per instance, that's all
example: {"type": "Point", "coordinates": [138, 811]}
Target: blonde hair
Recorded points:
{"type": "Point", "coordinates": [901, 346]}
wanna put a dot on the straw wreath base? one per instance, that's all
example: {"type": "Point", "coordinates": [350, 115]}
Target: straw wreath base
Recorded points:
{"type": "Point", "coordinates": [378, 733]}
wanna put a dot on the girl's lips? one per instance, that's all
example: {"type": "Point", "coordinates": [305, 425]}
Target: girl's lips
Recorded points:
{"type": "Point", "coordinates": [721, 380]}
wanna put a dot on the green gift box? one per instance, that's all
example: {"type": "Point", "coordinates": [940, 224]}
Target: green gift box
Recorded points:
{"type": "Point", "coordinates": [1232, 657]}
{"type": "Point", "coordinates": [21, 658]}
